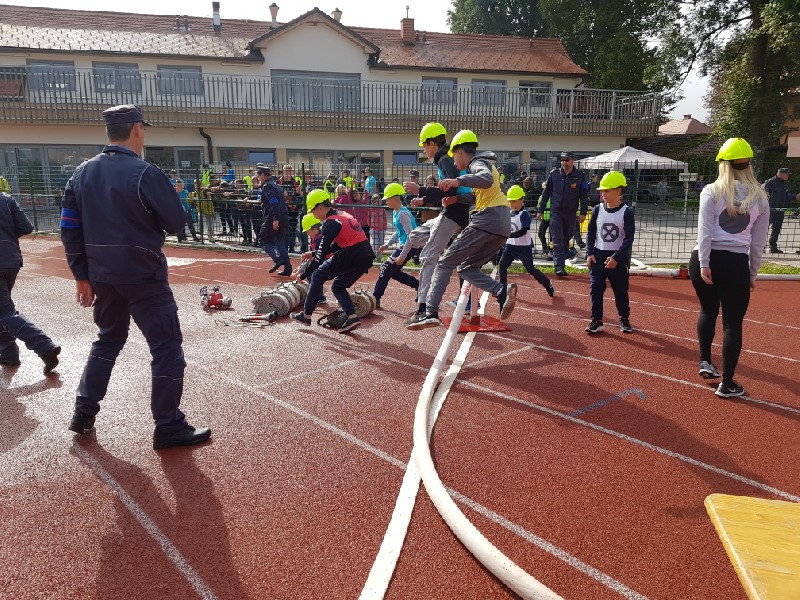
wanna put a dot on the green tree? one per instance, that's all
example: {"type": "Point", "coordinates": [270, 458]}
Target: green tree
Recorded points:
{"type": "Point", "coordinates": [496, 17]}
{"type": "Point", "coordinates": [750, 50]}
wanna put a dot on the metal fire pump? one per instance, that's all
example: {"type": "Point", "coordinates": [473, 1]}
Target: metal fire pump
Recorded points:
{"type": "Point", "coordinates": [215, 299]}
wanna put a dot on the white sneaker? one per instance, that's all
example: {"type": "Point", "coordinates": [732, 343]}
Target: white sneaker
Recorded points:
{"type": "Point", "coordinates": [707, 370]}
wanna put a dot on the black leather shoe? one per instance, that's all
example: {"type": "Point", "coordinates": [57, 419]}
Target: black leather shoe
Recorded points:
{"type": "Point", "coordinates": [188, 436]}
{"type": "Point", "coordinates": [51, 359]}
{"type": "Point", "coordinates": [275, 267]}
{"type": "Point", "coordinates": [80, 423]}
{"type": "Point", "coordinates": [10, 361]}
{"type": "Point", "coordinates": [561, 273]}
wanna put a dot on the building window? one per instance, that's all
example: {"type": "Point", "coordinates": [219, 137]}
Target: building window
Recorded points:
{"type": "Point", "coordinates": [488, 92]}
{"type": "Point", "coordinates": [316, 91]}
{"type": "Point", "coordinates": [52, 76]}
{"type": "Point", "coordinates": [116, 77]}
{"type": "Point", "coordinates": [408, 158]}
{"type": "Point", "coordinates": [180, 81]}
{"type": "Point", "coordinates": [438, 90]}
{"type": "Point", "coordinates": [12, 83]}
{"type": "Point", "coordinates": [535, 94]}
{"type": "Point", "coordinates": [247, 156]}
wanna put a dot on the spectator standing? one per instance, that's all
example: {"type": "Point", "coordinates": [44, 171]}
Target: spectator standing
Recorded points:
{"type": "Point", "coordinates": [191, 213]}
{"type": "Point", "coordinates": [230, 174]}
{"type": "Point", "coordinates": [661, 192]}
{"type": "Point", "coordinates": [369, 182]}
{"type": "Point", "coordinates": [13, 325]}
{"type": "Point", "coordinates": [568, 192]}
{"type": "Point", "coordinates": [274, 229]}
{"type": "Point", "coordinates": [5, 187]}
{"type": "Point", "coordinates": [777, 189]}
{"type": "Point", "coordinates": [293, 195]}
{"type": "Point", "coordinates": [733, 221]}
{"type": "Point", "coordinates": [114, 252]}
{"type": "Point", "coordinates": [377, 222]}
{"type": "Point", "coordinates": [699, 184]}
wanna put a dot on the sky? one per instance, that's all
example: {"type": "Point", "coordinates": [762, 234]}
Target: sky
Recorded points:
{"type": "Point", "coordinates": [429, 15]}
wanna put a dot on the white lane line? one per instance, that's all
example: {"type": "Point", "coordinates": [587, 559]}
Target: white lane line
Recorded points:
{"type": "Point", "coordinates": [641, 371]}
{"type": "Point", "coordinates": [550, 548]}
{"type": "Point", "coordinates": [480, 361]}
{"type": "Point", "coordinates": [657, 333]}
{"type": "Point", "coordinates": [332, 367]}
{"type": "Point", "coordinates": [173, 554]}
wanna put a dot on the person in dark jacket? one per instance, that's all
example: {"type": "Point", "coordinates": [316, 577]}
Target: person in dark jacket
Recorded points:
{"type": "Point", "coordinates": [779, 199]}
{"type": "Point", "coordinates": [115, 211]}
{"type": "Point", "coordinates": [568, 192]}
{"type": "Point", "coordinates": [275, 227]}
{"type": "Point", "coordinates": [13, 325]}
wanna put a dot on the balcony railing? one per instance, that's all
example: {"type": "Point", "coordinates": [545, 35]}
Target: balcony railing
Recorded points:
{"type": "Point", "coordinates": [32, 95]}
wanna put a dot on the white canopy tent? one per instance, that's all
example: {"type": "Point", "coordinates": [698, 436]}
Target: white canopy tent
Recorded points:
{"type": "Point", "coordinates": [627, 157]}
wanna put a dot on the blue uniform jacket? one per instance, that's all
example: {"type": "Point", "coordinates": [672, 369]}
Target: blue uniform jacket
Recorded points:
{"type": "Point", "coordinates": [566, 193]}
{"type": "Point", "coordinates": [115, 211]}
{"type": "Point", "coordinates": [273, 207]}
{"type": "Point", "coordinates": [13, 225]}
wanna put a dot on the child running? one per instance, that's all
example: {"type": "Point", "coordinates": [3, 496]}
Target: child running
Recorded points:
{"type": "Point", "coordinates": [404, 223]}
{"type": "Point", "coordinates": [343, 254]}
{"type": "Point", "coordinates": [487, 232]}
{"type": "Point", "coordinates": [608, 255]}
{"type": "Point", "coordinates": [520, 243]}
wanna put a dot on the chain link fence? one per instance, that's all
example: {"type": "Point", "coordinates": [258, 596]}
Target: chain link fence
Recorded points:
{"type": "Point", "coordinates": [226, 211]}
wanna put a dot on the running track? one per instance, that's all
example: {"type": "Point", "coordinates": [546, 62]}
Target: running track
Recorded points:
{"type": "Point", "coordinates": [585, 460]}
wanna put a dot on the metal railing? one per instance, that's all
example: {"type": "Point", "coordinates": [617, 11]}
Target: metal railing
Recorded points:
{"type": "Point", "coordinates": [665, 213]}
{"type": "Point", "coordinates": [78, 95]}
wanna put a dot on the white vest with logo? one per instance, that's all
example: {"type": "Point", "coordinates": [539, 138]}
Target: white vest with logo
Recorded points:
{"type": "Point", "coordinates": [610, 228]}
{"type": "Point", "coordinates": [516, 225]}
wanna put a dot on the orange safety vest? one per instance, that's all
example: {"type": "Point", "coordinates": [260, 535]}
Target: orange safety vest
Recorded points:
{"type": "Point", "coordinates": [351, 232]}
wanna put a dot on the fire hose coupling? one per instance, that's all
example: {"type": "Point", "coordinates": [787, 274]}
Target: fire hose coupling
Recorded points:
{"type": "Point", "coordinates": [215, 299]}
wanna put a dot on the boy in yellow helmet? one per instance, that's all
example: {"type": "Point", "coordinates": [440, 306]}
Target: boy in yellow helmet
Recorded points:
{"type": "Point", "coordinates": [609, 242]}
{"type": "Point", "coordinates": [487, 232]}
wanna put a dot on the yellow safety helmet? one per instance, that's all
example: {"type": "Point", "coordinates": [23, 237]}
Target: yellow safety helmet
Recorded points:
{"type": "Point", "coordinates": [612, 180]}
{"type": "Point", "coordinates": [309, 221]}
{"type": "Point", "coordinates": [515, 192]}
{"type": "Point", "coordinates": [393, 189]}
{"type": "Point", "coordinates": [316, 197]}
{"type": "Point", "coordinates": [464, 136]}
{"type": "Point", "coordinates": [430, 131]}
{"type": "Point", "coordinates": [735, 148]}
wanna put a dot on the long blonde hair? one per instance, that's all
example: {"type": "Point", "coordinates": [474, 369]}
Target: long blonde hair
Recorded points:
{"type": "Point", "coordinates": [725, 187]}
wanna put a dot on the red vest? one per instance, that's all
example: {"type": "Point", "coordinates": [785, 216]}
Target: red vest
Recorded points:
{"type": "Point", "coordinates": [351, 232]}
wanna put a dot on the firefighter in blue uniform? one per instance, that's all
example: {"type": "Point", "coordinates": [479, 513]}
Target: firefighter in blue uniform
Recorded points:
{"type": "Point", "coordinates": [115, 211]}
{"type": "Point", "coordinates": [13, 325]}
{"type": "Point", "coordinates": [568, 192]}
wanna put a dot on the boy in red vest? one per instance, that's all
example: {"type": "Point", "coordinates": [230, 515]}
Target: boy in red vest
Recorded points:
{"type": "Point", "coordinates": [343, 254]}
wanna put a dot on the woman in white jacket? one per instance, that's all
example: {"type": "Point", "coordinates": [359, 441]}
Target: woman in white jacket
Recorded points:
{"type": "Point", "coordinates": [732, 229]}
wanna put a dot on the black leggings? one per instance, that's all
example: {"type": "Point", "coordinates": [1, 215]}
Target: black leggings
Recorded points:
{"type": "Point", "coordinates": [730, 272]}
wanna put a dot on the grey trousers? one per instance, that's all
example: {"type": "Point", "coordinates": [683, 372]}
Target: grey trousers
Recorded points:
{"type": "Point", "coordinates": [433, 237]}
{"type": "Point", "coordinates": [471, 249]}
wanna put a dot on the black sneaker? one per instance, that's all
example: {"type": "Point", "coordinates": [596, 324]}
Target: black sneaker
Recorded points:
{"type": "Point", "coordinates": [351, 323]}
{"type": "Point", "coordinates": [322, 300]}
{"type": "Point", "coordinates": [188, 436]}
{"type": "Point", "coordinates": [625, 326]}
{"type": "Point", "coordinates": [80, 423]}
{"type": "Point", "coordinates": [707, 370]}
{"type": "Point", "coordinates": [424, 322]}
{"type": "Point", "coordinates": [507, 298]}
{"type": "Point", "coordinates": [561, 273]}
{"type": "Point", "coordinates": [301, 317]}
{"type": "Point", "coordinates": [551, 291]}
{"type": "Point", "coordinates": [729, 390]}
{"type": "Point", "coordinates": [51, 359]}
{"type": "Point", "coordinates": [417, 316]}
{"type": "Point", "coordinates": [595, 326]}
{"type": "Point", "coordinates": [274, 267]}
{"type": "Point", "coordinates": [776, 251]}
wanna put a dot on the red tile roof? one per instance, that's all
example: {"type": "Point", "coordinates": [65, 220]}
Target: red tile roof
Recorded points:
{"type": "Point", "coordinates": [126, 33]}
{"type": "Point", "coordinates": [683, 126]}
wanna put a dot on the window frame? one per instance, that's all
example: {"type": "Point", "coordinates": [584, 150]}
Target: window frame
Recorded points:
{"type": "Point", "coordinates": [535, 94]}
{"type": "Point", "coordinates": [488, 92]}
{"type": "Point", "coordinates": [166, 73]}
{"type": "Point", "coordinates": [315, 91]}
{"type": "Point", "coordinates": [433, 92]}
{"type": "Point", "coordinates": [60, 78]}
{"type": "Point", "coordinates": [124, 77]}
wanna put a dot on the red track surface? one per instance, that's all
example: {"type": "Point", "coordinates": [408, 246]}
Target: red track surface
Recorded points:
{"type": "Point", "coordinates": [312, 429]}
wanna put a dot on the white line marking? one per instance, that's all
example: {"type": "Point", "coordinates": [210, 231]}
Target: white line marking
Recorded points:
{"type": "Point", "coordinates": [173, 554]}
{"type": "Point", "coordinates": [318, 371]}
{"type": "Point", "coordinates": [642, 371]}
{"type": "Point", "coordinates": [550, 548]}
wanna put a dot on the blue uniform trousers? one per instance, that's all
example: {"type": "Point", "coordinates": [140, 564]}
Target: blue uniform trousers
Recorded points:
{"type": "Point", "coordinates": [14, 326]}
{"type": "Point", "coordinates": [391, 270]}
{"type": "Point", "coordinates": [277, 250]}
{"type": "Point", "coordinates": [154, 311]}
{"type": "Point", "coordinates": [344, 274]}
{"type": "Point", "coordinates": [524, 254]}
{"type": "Point", "coordinates": [562, 228]}
{"type": "Point", "coordinates": [618, 278]}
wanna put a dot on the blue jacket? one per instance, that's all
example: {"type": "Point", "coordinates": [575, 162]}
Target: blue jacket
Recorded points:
{"type": "Point", "coordinates": [115, 211]}
{"type": "Point", "coordinates": [567, 193]}
{"type": "Point", "coordinates": [273, 207]}
{"type": "Point", "coordinates": [13, 225]}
